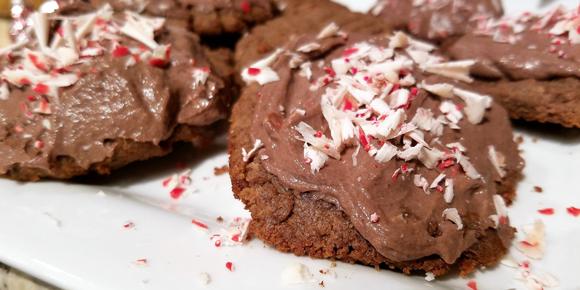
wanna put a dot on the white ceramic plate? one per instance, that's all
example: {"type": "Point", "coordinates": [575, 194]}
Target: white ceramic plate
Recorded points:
{"type": "Point", "coordinates": [74, 237]}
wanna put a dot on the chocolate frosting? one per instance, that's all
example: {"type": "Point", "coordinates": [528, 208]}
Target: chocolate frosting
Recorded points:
{"type": "Point", "coordinates": [529, 54]}
{"type": "Point", "coordinates": [435, 20]}
{"type": "Point", "coordinates": [410, 225]}
{"type": "Point", "coordinates": [111, 101]}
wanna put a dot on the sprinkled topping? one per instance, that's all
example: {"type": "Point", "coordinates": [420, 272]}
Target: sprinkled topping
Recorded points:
{"type": "Point", "coordinates": [78, 39]}
{"type": "Point", "coordinates": [562, 26]}
{"type": "Point", "coordinates": [368, 92]}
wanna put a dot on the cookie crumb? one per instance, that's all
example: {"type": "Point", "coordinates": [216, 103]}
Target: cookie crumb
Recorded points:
{"type": "Point", "coordinates": [538, 189]}
{"type": "Point", "coordinates": [296, 274]}
{"type": "Point", "coordinates": [217, 171]}
{"type": "Point", "coordinates": [203, 279]}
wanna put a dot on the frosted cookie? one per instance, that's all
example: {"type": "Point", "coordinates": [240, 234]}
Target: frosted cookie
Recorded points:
{"type": "Point", "coordinates": [94, 92]}
{"type": "Point", "coordinates": [350, 145]}
{"type": "Point", "coordinates": [530, 63]}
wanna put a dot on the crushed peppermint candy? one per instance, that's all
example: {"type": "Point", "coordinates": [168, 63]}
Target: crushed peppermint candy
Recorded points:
{"type": "Point", "coordinates": [533, 246]}
{"type": "Point", "coordinates": [367, 94]}
{"type": "Point", "coordinates": [51, 66]}
{"type": "Point", "coordinates": [561, 25]}
{"type": "Point", "coordinates": [178, 184]}
{"type": "Point", "coordinates": [235, 234]}
{"type": "Point", "coordinates": [536, 280]}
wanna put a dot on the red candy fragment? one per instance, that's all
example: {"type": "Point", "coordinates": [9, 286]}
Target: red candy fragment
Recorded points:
{"type": "Point", "coordinates": [472, 284]}
{"type": "Point", "coordinates": [546, 211]}
{"type": "Point", "coordinates": [41, 89]}
{"type": "Point", "coordinates": [574, 211]}
{"type": "Point", "coordinates": [230, 266]}
{"type": "Point", "coordinates": [349, 51]}
{"type": "Point", "coordinates": [246, 7]}
{"type": "Point", "coordinates": [121, 51]}
{"type": "Point", "coordinates": [253, 71]}
{"type": "Point", "coordinates": [177, 192]}
{"type": "Point", "coordinates": [199, 224]}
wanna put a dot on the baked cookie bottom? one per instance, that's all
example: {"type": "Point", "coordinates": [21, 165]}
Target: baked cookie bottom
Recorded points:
{"type": "Point", "coordinates": [125, 152]}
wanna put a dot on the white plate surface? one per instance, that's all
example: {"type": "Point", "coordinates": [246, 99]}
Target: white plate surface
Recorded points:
{"type": "Point", "coordinates": [73, 237]}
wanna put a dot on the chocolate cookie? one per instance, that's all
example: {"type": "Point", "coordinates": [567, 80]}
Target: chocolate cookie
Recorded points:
{"type": "Point", "coordinates": [94, 92]}
{"type": "Point", "coordinates": [204, 16]}
{"type": "Point", "coordinates": [530, 63]}
{"type": "Point", "coordinates": [350, 145]}
{"type": "Point", "coordinates": [435, 20]}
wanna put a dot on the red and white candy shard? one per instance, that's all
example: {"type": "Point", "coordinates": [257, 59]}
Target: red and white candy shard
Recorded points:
{"type": "Point", "coordinates": [533, 244]}
{"type": "Point", "coordinates": [261, 72]}
{"type": "Point", "coordinates": [536, 280]}
{"type": "Point", "coordinates": [500, 208]}
{"type": "Point", "coordinates": [234, 235]}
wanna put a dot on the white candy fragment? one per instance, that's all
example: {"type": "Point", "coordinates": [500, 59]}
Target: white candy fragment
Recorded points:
{"type": "Point", "coordinates": [437, 180]}
{"type": "Point", "coordinates": [458, 70]}
{"type": "Point", "coordinates": [203, 279]}
{"type": "Point", "coordinates": [453, 215]}
{"type": "Point", "coordinates": [421, 182]}
{"type": "Point", "coordinates": [441, 90]}
{"type": "Point", "coordinates": [316, 158]}
{"type": "Point", "coordinates": [475, 105]}
{"type": "Point", "coordinates": [449, 193]}
{"type": "Point", "coordinates": [4, 92]}
{"type": "Point", "coordinates": [296, 274]}
{"type": "Point", "coordinates": [330, 30]}
{"type": "Point", "coordinates": [497, 160]}
{"type": "Point", "coordinates": [386, 153]}
{"type": "Point", "coordinates": [247, 155]}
